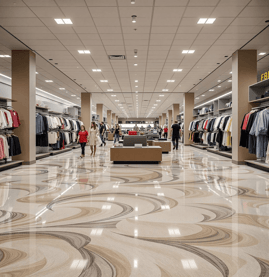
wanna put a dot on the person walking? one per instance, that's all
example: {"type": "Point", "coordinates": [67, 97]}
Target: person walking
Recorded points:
{"type": "Point", "coordinates": [160, 130]}
{"type": "Point", "coordinates": [116, 133]}
{"type": "Point", "coordinates": [175, 135]}
{"type": "Point", "coordinates": [102, 133]}
{"type": "Point", "coordinates": [82, 139]}
{"type": "Point", "coordinates": [165, 131]}
{"type": "Point", "coordinates": [93, 135]}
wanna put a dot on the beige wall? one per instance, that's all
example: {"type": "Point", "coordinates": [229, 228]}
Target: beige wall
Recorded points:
{"type": "Point", "coordinates": [86, 109]}
{"type": "Point", "coordinates": [175, 111]}
{"type": "Point", "coordinates": [188, 102]}
{"type": "Point", "coordinates": [169, 123]}
{"type": "Point", "coordinates": [114, 118]}
{"type": "Point", "coordinates": [100, 111]}
{"type": "Point", "coordinates": [23, 91]}
{"type": "Point", "coordinates": [109, 117]}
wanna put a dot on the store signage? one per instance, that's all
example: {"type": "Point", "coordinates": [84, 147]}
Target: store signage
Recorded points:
{"type": "Point", "coordinates": [265, 76]}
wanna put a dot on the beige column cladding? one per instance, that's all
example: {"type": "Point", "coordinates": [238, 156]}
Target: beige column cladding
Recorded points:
{"type": "Point", "coordinates": [109, 117]}
{"type": "Point", "coordinates": [100, 112]}
{"type": "Point", "coordinates": [244, 68]}
{"type": "Point", "coordinates": [160, 120]}
{"type": "Point", "coordinates": [169, 123]}
{"type": "Point", "coordinates": [23, 91]}
{"type": "Point", "coordinates": [175, 112]}
{"type": "Point", "coordinates": [117, 119]}
{"type": "Point", "coordinates": [163, 119]}
{"type": "Point", "coordinates": [86, 109]}
{"type": "Point", "coordinates": [113, 119]}
{"type": "Point", "coordinates": [188, 102]}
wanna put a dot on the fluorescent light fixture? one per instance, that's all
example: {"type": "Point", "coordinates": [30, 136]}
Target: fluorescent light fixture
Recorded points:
{"type": "Point", "coordinates": [117, 100]}
{"type": "Point", "coordinates": [96, 70]}
{"type": "Point", "coordinates": [161, 95]}
{"type": "Point", "coordinates": [136, 92]}
{"type": "Point", "coordinates": [36, 72]}
{"type": "Point", "coordinates": [103, 81]}
{"type": "Point", "coordinates": [84, 51]}
{"type": "Point", "coordinates": [135, 55]}
{"type": "Point", "coordinates": [231, 72]}
{"type": "Point", "coordinates": [219, 81]}
{"type": "Point", "coordinates": [134, 18]}
{"type": "Point", "coordinates": [5, 76]}
{"type": "Point", "coordinates": [203, 95]}
{"type": "Point", "coordinates": [210, 20]}
{"type": "Point", "coordinates": [170, 81]}
{"type": "Point", "coordinates": [158, 100]}
{"type": "Point", "coordinates": [61, 88]}
{"type": "Point", "coordinates": [59, 21]}
{"type": "Point", "coordinates": [73, 95]}
{"type": "Point", "coordinates": [188, 51]}
{"type": "Point", "coordinates": [219, 86]}
{"type": "Point", "coordinates": [229, 81]}
{"type": "Point", "coordinates": [177, 70]}
{"type": "Point", "coordinates": [226, 94]}
{"type": "Point", "coordinates": [136, 81]}
{"type": "Point", "coordinates": [4, 56]}
{"type": "Point", "coordinates": [110, 89]}
{"type": "Point", "coordinates": [165, 90]}
{"type": "Point", "coordinates": [135, 64]}
{"type": "Point", "coordinates": [48, 81]}
{"type": "Point", "coordinates": [262, 54]}
{"type": "Point", "coordinates": [197, 98]}
{"type": "Point", "coordinates": [211, 90]}
{"type": "Point", "coordinates": [67, 21]}
{"type": "Point", "coordinates": [202, 21]}
{"type": "Point", "coordinates": [132, 2]}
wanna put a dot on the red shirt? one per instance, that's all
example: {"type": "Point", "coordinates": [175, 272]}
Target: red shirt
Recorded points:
{"type": "Point", "coordinates": [15, 119]}
{"type": "Point", "coordinates": [165, 130]}
{"type": "Point", "coordinates": [83, 136]}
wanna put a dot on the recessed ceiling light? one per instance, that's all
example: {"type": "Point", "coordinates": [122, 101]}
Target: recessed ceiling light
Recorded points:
{"type": "Point", "coordinates": [219, 86]}
{"type": "Point", "coordinates": [61, 88]}
{"type": "Point", "coordinates": [103, 81]}
{"type": "Point", "coordinates": [203, 95]}
{"type": "Point", "coordinates": [231, 72]}
{"type": "Point", "coordinates": [135, 64]}
{"type": "Point", "coordinates": [197, 98]}
{"type": "Point", "coordinates": [63, 21]}
{"type": "Point", "coordinates": [113, 95]}
{"type": "Point", "coordinates": [170, 81]}
{"type": "Point", "coordinates": [158, 100]}
{"type": "Point", "coordinates": [48, 81]}
{"type": "Point", "coordinates": [4, 56]}
{"type": "Point", "coordinates": [219, 81]}
{"type": "Point", "coordinates": [188, 51]}
{"type": "Point", "coordinates": [136, 81]}
{"type": "Point", "coordinates": [177, 70]}
{"type": "Point", "coordinates": [134, 18]}
{"type": "Point", "coordinates": [161, 95]}
{"type": "Point", "coordinates": [133, 2]}
{"type": "Point", "coordinates": [202, 21]}
{"type": "Point", "coordinates": [36, 72]}
{"type": "Point", "coordinates": [262, 54]}
{"type": "Point", "coordinates": [117, 100]}
{"type": "Point", "coordinates": [96, 70]}
{"type": "Point", "coordinates": [84, 51]}
{"type": "Point", "coordinates": [73, 95]}
{"type": "Point", "coordinates": [165, 90]}
{"type": "Point", "coordinates": [230, 81]}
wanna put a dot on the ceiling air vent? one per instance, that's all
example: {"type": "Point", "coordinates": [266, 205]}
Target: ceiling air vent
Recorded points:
{"type": "Point", "coordinates": [116, 57]}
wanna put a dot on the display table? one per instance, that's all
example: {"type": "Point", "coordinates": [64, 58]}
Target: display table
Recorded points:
{"type": "Point", "coordinates": [165, 145]}
{"type": "Point", "coordinates": [150, 142]}
{"type": "Point", "coordinates": [110, 136]}
{"type": "Point", "coordinates": [130, 154]}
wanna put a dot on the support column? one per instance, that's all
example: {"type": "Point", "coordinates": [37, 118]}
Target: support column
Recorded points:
{"type": "Point", "coordinates": [244, 68]}
{"type": "Point", "coordinates": [175, 111]}
{"type": "Point", "coordinates": [117, 119]}
{"type": "Point", "coordinates": [169, 123]}
{"type": "Point", "coordinates": [114, 119]}
{"type": "Point", "coordinates": [23, 91]}
{"type": "Point", "coordinates": [160, 120]}
{"type": "Point", "coordinates": [100, 112]}
{"type": "Point", "coordinates": [163, 119]}
{"type": "Point", "coordinates": [109, 118]}
{"type": "Point", "coordinates": [188, 102]}
{"type": "Point", "coordinates": [86, 109]}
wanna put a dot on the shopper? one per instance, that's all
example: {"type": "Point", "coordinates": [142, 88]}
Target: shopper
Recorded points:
{"type": "Point", "coordinates": [102, 133]}
{"type": "Point", "coordinates": [116, 133]}
{"type": "Point", "coordinates": [82, 139]}
{"type": "Point", "coordinates": [93, 135]}
{"type": "Point", "coordinates": [175, 135]}
{"type": "Point", "coordinates": [160, 130]}
{"type": "Point", "coordinates": [165, 131]}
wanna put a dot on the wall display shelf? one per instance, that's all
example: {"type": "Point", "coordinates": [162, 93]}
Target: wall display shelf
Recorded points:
{"type": "Point", "coordinates": [5, 100]}
{"type": "Point", "coordinates": [258, 164]}
{"type": "Point", "coordinates": [221, 153]}
{"type": "Point", "coordinates": [224, 109]}
{"type": "Point", "coordinates": [257, 90]}
{"type": "Point", "coordinates": [42, 108]}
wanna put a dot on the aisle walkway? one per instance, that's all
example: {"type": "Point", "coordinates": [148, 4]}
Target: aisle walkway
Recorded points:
{"type": "Point", "coordinates": [195, 214]}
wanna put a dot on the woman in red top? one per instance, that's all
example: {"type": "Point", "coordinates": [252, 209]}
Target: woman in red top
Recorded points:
{"type": "Point", "coordinates": [165, 131]}
{"type": "Point", "coordinates": [82, 139]}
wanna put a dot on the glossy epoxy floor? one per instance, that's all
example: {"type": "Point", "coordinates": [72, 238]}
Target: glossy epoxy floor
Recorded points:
{"type": "Point", "coordinates": [196, 214]}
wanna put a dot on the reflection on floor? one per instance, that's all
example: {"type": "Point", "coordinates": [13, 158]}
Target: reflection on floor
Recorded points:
{"type": "Point", "coordinates": [196, 214]}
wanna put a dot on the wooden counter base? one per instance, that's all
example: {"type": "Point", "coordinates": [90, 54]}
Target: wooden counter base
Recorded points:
{"type": "Point", "coordinates": [131, 154]}
{"type": "Point", "coordinates": [166, 145]}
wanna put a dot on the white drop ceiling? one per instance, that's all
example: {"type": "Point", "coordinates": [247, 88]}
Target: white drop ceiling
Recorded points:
{"type": "Point", "coordinates": [164, 28]}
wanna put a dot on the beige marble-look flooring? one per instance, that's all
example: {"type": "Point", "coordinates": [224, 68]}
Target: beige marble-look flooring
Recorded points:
{"type": "Point", "coordinates": [195, 214]}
